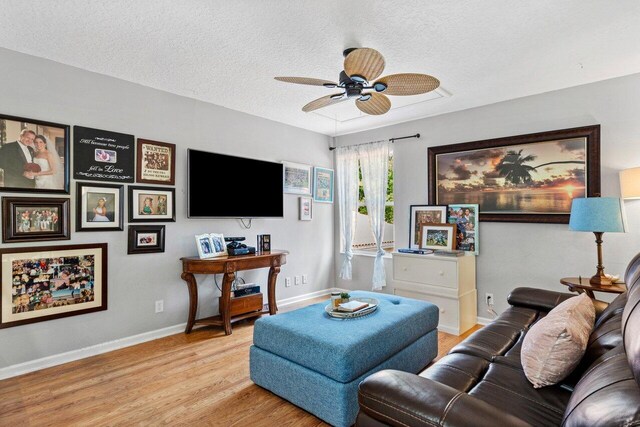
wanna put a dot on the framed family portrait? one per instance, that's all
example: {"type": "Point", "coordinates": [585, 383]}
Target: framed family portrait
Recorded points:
{"type": "Point", "coordinates": [45, 283]}
{"type": "Point", "coordinates": [35, 219]}
{"type": "Point", "coordinates": [467, 221]}
{"type": "Point", "coordinates": [423, 214]}
{"type": "Point", "coordinates": [438, 236]}
{"type": "Point", "coordinates": [145, 239]}
{"type": "Point", "coordinates": [306, 208]}
{"type": "Point", "coordinates": [99, 207]}
{"type": "Point", "coordinates": [323, 185]}
{"type": "Point", "coordinates": [152, 204]}
{"type": "Point", "coordinates": [34, 155]}
{"type": "Point", "coordinates": [297, 178]}
{"type": "Point", "coordinates": [156, 162]}
{"type": "Point", "coordinates": [211, 245]}
{"type": "Point", "coordinates": [524, 178]}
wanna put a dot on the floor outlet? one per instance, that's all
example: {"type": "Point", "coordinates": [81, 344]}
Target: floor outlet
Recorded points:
{"type": "Point", "coordinates": [159, 306]}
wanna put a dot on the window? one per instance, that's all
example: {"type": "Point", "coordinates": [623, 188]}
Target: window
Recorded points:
{"type": "Point", "coordinates": [363, 238]}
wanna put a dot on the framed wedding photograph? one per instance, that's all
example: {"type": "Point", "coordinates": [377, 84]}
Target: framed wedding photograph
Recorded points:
{"type": "Point", "coordinates": [523, 178]}
{"type": "Point", "coordinates": [145, 239]}
{"type": "Point", "coordinates": [156, 162]}
{"type": "Point", "coordinates": [99, 207]}
{"type": "Point", "coordinates": [438, 236]}
{"type": "Point", "coordinates": [45, 283]}
{"type": "Point", "coordinates": [152, 204]}
{"type": "Point", "coordinates": [305, 208]}
{"type": "Point", "coordinates": [297, 178]}
{"type": "Point", "coordinates": [323, 185]}
{"type": "Point", "coordinates": [422, 214]}
{"type": "Point", "coordinates": [466, 219]}
{"type": "Point", "coordinates": [34, 155]}
{"type": "Point", "coordinates": [210, 245]}
{"type": "Point", "coordinates": [35, 219]}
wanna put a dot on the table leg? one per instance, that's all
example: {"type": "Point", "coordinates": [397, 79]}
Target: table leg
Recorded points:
{"type": "Point", "coordinates": [192, 285]}
{"type": "Point", "coordinates": [589, 293]}
{"type": "Point", "coordinates": [273, 275]}
{"type": "Point", "coordinates": [225, 302]}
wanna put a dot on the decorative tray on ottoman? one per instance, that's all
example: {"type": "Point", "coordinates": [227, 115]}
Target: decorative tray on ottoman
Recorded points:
{"type": "Point", "coordinates": [373, 306]}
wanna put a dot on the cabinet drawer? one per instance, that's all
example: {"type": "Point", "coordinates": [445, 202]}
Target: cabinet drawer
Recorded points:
{"type": "Point", "coordinates": [429, 271]}
{"type": "Point", "coordinates": [448, 308]}
{"type": "Point", "coordinates": [245, 304]}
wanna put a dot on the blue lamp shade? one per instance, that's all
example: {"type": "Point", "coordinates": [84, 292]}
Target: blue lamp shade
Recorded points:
{"type": "Point", "coordinates": [597, 214]}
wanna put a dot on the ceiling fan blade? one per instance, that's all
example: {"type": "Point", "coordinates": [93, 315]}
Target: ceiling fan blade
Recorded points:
{"type": "Point", "coordinates": [365, 62]}
{"type": "Point", "coordinates": [408, 84]}
{"type": "Point", "coordinates": [325, 101]}
{"type": "Point", "coordinates": [306, 81]}
{"type": "Point", "coordinates": [376, 105]}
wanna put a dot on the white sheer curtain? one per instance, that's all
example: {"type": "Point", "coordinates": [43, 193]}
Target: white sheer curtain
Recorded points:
{"type": "Point", "coordinates": [347, 181]}
{"type": "Point", "coordinates": [374, 162]}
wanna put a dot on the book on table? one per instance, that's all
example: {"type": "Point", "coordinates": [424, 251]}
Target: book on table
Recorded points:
{"type": "Point", "coordinates": [352, 306]}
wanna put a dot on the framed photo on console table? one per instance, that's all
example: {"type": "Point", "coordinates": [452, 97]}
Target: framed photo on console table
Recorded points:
{"type": "Point", "coordinates": [152, 204]}
{"type": "Point", "coordinates": [99, 207]}
{"type": "Point", "coordinates": [145, 239]}
{"type": "Point", "coordinates": [34, 155]}
{"type": "Point", "coordinates": [35, 219]}
{"type": "Point", "coordinates": [45, 283]}
{"type": "Point", "coordinates": [524, 178]}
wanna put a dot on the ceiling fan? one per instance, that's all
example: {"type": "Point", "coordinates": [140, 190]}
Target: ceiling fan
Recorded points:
{"type": "Point", "coordinates": [362, 66]}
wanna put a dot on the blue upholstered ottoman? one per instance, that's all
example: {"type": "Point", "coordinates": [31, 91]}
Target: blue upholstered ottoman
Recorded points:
{"type": "Point", "coordinates": [316, 362]}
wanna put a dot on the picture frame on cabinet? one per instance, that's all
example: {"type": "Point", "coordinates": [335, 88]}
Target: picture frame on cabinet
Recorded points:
{"type": "Point", "coordinates": [423, 214]}
{"type": "Point", "coordinates": [438, 236]}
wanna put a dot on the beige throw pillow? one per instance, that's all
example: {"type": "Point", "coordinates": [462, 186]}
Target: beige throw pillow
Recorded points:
{"type": "Point", "coordinates": [555, 344]}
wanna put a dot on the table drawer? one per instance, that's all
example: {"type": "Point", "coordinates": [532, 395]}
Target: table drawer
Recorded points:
{"type": "Point", "coordinates": [448, 308]}
{"type": "Point", "coordinates": [245, 304]}
{"type": "Point", "coordinates": [432, 272]}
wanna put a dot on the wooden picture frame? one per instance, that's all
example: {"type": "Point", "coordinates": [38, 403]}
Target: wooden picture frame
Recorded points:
{"type": "Point", "coordinates": [438, 236]}
{"type": "Point", "coordinates": [152, 204]}
{"type": "Point", "coordinates": [523, 178]}
{"type": "Point", "coordinates": [297, 178]}
{"type": "Point", "coordinates": [421, 214]}
{"type": "Point", "coordinates": [103, 155]}
{"type": "Point", "coordinates": [99, 207]}
{"type": "Point", "coordinates": [211, 245]}
{"type": "Point", "coordinates": [145, 239]}
{"type": "Point", "coordinates": [155, 162]}
{"type": "Point", "coordinates": [467, 221]}
{"type": "Point", "coordinates": [323, 185]}
{"type": "Point", "coordinates": [35, 219]}
{"type": "Point", "coordinates": [14, 163]}
{"type": "Point", "coordinates": [69, 280]}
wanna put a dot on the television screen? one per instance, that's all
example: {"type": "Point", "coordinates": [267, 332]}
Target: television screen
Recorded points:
{"type": "Point", "coordinates": [233, 187]}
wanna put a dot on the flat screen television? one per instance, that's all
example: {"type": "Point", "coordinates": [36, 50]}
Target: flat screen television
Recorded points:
{"type": "Point", "coordinates": [222, 186]}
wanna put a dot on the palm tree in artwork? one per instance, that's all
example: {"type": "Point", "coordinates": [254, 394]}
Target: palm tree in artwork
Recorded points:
{"type": "Point", "coordinates": [513, 169]}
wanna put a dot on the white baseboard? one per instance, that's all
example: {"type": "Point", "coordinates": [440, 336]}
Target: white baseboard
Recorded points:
{"type": "Point", "coordinates": [70, 356]}
{"type": "Point", "coordinates": [484, 321]}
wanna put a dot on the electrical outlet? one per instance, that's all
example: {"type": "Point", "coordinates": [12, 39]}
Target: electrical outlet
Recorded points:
{"type": "Point", "coordinates": [298, 280]}
{"type": "Point", "coordinates": [287, 282]}
{"type": "Point", "coordinates": [305, 279]}
{"type": "Point", "coordinates": [159, 306]}
{"type": "Point", "coordinates": [488, 299]}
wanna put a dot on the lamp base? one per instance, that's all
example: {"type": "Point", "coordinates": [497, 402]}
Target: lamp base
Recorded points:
{"type": "Point", "coordinates": [600, 280]}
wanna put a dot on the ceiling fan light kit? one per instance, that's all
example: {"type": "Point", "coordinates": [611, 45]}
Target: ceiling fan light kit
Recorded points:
{"type": "Point", "coordinates": [362, 65]}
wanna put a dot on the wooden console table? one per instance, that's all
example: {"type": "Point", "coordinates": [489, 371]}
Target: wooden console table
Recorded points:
{"type": "Point", "coordinates": [228, 266]}
{"type": "Point", "coordinates": [581, 285]}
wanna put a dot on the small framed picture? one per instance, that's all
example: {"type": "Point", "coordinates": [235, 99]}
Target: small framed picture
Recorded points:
{"type": "Point", "coordinates": [156, 162]}
{"type": "Point", "coordinates": [323, 185]}
{"type": "Point", "coordinates": [152, 204]}
{"type": "Point", "coordinates": [145, 239]}
{"type": "Point", "coordinates": [438, 236]}
{"type": "Point", "coordinates": [264, 242]}
{"type": "Point", "coordinates": [422, 214]}
{"type": "Point", "coordinates": [306, 209]}
{"type": "Point", "coordinates": [210, 245]}
{"type": "Point", "coordinates": [35, 219]}
{"type": "Point", "coordinates": [297, 178]}
{"type": "Point", "coordinates": [467, 220]}
{"type": "Point", "coordinates": [99, 207]}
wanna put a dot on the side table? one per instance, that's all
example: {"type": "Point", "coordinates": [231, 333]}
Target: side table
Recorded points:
{"type": "Point", "coordinates": [581, 285]}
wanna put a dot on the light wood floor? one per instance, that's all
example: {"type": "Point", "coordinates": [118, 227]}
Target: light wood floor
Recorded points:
{"type": "Point", "coordinates": [197, 379]}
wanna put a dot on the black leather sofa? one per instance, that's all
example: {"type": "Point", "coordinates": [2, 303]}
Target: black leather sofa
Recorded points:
{"type": "Point", "coordinates": [480, 382]}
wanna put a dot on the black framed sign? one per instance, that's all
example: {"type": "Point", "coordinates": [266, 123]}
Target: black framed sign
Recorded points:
{"type": "Point", "coordinates": [101, 155]}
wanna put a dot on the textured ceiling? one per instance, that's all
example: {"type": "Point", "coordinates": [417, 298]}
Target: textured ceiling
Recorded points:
{"type": "Point", "coordinates": [227, 52]}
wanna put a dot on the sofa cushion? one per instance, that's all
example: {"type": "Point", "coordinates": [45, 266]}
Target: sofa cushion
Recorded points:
{"type": "Point", "coordinates": [553, 347]}
{"type": "Point", "coordinates": [457, 370]}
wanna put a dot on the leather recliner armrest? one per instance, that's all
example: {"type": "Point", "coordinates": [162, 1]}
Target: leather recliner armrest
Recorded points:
{"type": "Point", "coordinates": [537, 299]}
{"type": "Point", "coordinates": [402, 399]}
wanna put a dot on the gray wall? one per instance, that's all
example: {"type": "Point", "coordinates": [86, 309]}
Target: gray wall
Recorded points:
{"type": "Point", "coordinates": [41, 89]}
{"type": "Point", "coordinates": [522, 254]}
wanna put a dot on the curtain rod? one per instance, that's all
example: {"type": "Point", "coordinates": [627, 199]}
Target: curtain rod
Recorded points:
{"type": "Point", "coordinates": [392, 140]}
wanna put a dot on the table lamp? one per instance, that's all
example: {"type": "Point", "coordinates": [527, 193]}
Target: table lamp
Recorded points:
{"type": "Point", "coordinates": [630, 183]}
{"type": "Point", "coordinates": [598, 215]}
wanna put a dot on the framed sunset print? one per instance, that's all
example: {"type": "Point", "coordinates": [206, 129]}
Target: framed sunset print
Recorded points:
{"type": "Point", "coordinates": [525, 178]}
